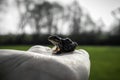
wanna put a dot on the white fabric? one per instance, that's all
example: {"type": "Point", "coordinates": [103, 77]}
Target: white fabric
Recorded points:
{"type": "Point", "coordinates": [34, 65]}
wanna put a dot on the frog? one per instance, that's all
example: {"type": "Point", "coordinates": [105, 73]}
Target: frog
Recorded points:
{"type": "Point", "coordinates": [62, 45]}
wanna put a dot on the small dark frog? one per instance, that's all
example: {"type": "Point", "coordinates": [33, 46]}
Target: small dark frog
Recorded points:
{"type": "Point", "coordinates": [62, 45]}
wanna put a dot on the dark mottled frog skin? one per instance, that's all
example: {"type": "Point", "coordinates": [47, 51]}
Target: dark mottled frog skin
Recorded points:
{"type": "Point", "coordinates": [62, 45]}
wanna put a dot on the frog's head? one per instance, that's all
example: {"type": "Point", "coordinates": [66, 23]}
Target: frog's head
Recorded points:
{"type": "Point", "coordinates": [55, 39]}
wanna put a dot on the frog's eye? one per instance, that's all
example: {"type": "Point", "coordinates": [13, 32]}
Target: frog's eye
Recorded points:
{"type": "Point", "coordinates": [56, 40]}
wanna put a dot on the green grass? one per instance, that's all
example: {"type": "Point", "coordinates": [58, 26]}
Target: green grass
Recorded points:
{"type": "Point", "coordinates": [105, 63]}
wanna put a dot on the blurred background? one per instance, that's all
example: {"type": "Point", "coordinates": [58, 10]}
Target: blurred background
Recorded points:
{"type": "Point", "coordinates": [93, 24]}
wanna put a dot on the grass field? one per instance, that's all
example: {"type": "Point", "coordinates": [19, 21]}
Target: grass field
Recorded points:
{"type": "Point", "coordinates": [105, 61]}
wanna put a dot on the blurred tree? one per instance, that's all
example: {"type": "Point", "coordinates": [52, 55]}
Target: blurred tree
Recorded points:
{"type": "Point", "coordinates": [23, 9]}
{"type": "Point", "coordinates": [3, 5]}
{"type": "Point", "coordinates": [38, 15]}
{"type": "Point", "coordinates": [114, 35]}
{"type": "Point", "coordinates": [76, 18]}
{"type": "Point", "coordinates": [116, 14]}
{"type": "Point", "coordinates": [72, 15]}
{"type": "Point", "coordinates": [88, 24]}
{"type": "Point", "coordinates": [79, 22]}
{"type": "Point", "coordinates": [41, 15]}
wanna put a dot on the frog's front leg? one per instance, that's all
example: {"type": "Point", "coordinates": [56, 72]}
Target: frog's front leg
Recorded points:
{"type": "Point", "coordinates": [56, 50]}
